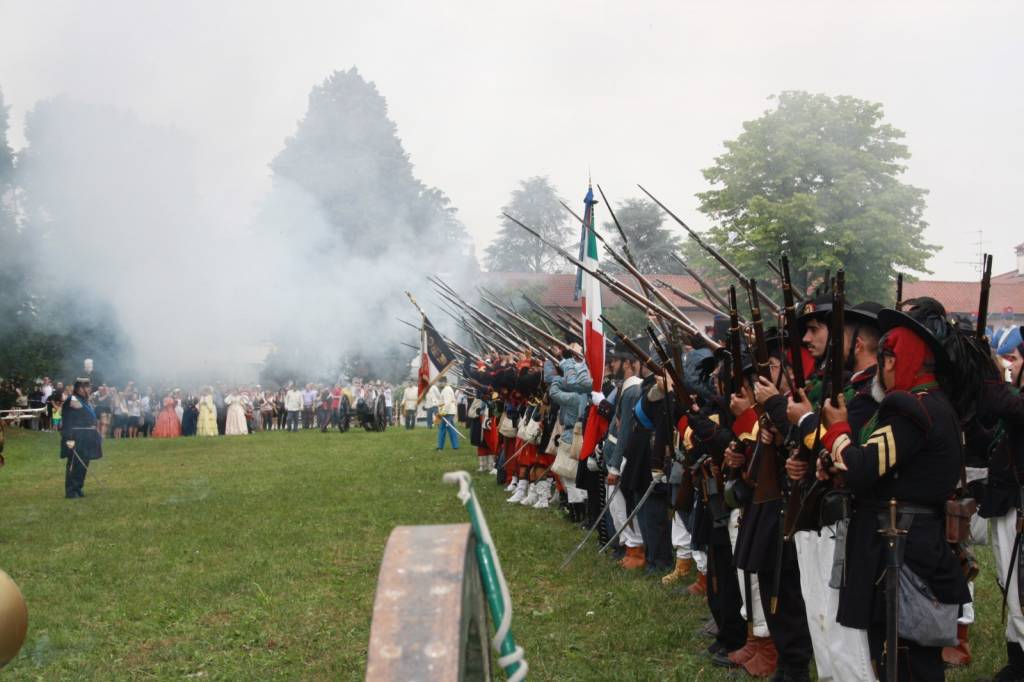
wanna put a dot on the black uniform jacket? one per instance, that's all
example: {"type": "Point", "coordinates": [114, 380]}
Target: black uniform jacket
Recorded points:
{"type": "Point", "coordinates": [913, 455]}
{"type": "Point", "coordinates": [708, 434]}
{"type": "Point", "coordinates": [78, 425]}
{"type": "Point", "coordinates": [1004, 405]}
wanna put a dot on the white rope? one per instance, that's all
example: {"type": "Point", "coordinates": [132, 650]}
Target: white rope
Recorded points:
{"type": "Point", "coordinates": [465, 494]}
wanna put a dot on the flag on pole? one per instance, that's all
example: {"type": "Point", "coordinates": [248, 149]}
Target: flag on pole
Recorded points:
{"type": "Point", "coordinates": [436, 358]}
{"type": "Point", "coordinates": [589, 292]}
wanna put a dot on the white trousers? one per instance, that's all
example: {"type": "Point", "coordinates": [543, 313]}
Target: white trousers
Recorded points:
{"type": "Point", "coordinates": [840, 653]}
{"type": "Point", "coordinates": [1004, 531]}
{"type": "Point", "coordinates": [760, 625]}
{"type": "Point", "coordinates": [630, 537]}
{"type": "Point", "coordinates": [681, 538]}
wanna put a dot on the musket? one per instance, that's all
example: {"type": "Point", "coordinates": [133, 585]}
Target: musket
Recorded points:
{"type": "Point", "coordinates": [502, 310]}
{"type": "Point", "coordinates": [986, 286]}
{"type": "Point", "coordinates": [651, 290]}
{"type": "Point", "coordinates": [454, 298]}
{"type": "Point", "coordinates": [792, 328]}
{"type": "Point", "coordinates": [627, 263]}
{"type": "Point", "coordinates": [899, 291]}
{"type": "Point", "coordinates": [678, 387]}
{"type": "Point", "coordinates": [626, 292]}
{"type": "Point", "coordinates": [711, 250]}
{"type": "Point", "coordinates": [783, 277]}
{"type": "Point", "coordinates": [507, 337]}
{"type": "Point", "coordinates": [735, 345]}
{"type": "Point", "coordinates": [691, 299]}
{"type": "Point", "coordinates": [542, 311]}
{"type": "Point", "coordinates": [635, 349]}
{"type": "Point", "coordinates": [709, 290]}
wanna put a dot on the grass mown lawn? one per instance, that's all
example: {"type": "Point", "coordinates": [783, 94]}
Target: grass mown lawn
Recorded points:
{"type": "Point", "coordinates": [257, 557]}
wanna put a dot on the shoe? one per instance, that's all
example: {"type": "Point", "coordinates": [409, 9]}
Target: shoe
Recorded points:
{"type": "Point", "coordinates": [531, 496]}
{"type": "Point", "coordinates": [764, 659]}
{"type": "Point", "coordinates": [744, 653]}
{"type": "Point", "coordinates": [721, 660]}
{"type": "Point", "coordinates": [512, 486]}
{"type": "Point", "coordinates": [960, 655]}
{"type": "Point", "coordinates": [682, 569]}
{"type": "Point", "coordinates": [619, 552]}
{"type": "Point", "coordinates": [715, 647]}
{"type": "Point", "coordinates": [634, 558]}
{"type": "Point", "coordinates": [520, 492]}
{"type": "Point", "coordinates": [699, 588]}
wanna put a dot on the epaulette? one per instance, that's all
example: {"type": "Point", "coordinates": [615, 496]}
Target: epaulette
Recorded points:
{"type": "Point", "coordinates": [75, 402]}
{"type": "Point", "coordinates": [905, 404]}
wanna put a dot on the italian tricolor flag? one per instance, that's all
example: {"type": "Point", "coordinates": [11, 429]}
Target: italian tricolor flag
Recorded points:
{"type": "Point", "coordinates": [590, 292]}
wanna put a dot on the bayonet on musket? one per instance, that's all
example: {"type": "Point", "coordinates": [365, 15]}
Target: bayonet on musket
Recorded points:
{"type": "Point", "coordinates": [711, 250]}
{"type": "Point", "coordinates": [626, 292]}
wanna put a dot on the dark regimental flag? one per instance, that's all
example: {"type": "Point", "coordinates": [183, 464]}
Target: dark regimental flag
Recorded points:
{"type": "Point", "coordinates": [436, 358]}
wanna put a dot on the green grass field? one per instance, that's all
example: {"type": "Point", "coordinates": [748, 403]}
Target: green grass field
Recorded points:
{"type": "Point", "coordinates": [257, 557]}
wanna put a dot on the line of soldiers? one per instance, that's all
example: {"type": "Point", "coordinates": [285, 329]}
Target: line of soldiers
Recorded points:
{"type": "Point", "coordinates": [772, 457]}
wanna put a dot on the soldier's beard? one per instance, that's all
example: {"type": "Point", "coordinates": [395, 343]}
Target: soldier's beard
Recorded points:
{"type": "Point", "coordinates": [878, 387]}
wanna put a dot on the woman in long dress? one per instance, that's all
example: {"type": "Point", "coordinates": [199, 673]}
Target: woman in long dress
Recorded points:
{"type": "Point", "coordinates": [236, 424]}
{"type": "Point", "coordinates": [167, 424]}
{"type": "Point", "coordinates": [207, 414]}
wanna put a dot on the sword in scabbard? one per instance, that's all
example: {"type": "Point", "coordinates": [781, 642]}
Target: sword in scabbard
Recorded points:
{"type": "Point", "coordinates": [629, 519]}
{"type": "Point", "coordinates": [894, 540]}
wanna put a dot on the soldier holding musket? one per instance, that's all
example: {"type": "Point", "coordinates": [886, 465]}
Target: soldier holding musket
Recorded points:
{"type": "Point", "coordinates": [1002, 406]}
{"type": "Point", "coordinates": [902, 475]}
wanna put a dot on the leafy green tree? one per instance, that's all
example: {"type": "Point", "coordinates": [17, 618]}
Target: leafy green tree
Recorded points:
{"type": "Point", "coordinates": [650, 243]}
{"type": "Point", "coordinates": [819, 178]}
{"type": "Point", "coordinates": [347, 157]}
{"type": "Point", "coordinates": [535, 203]}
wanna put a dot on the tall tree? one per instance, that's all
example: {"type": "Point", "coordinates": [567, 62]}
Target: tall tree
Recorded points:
{"type": "Point", "coordinates": [347, 157]}
{"type": "Point", "coordinates": [818, 177]}
{"type": "Point", "coordinates": [535, 203]}
{"type": "Point", "coordinates": [650, 243]}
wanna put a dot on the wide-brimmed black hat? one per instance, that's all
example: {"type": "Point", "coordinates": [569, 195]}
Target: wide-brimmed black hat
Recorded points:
{"type": "Point", "coordinates": [819, 308]}
{"type": "Point", "coordinates": [889, 319]}
{"type": "Point", "coordinates": [863, 313]}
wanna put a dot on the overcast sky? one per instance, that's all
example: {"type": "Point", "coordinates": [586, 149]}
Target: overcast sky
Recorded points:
{"type": "Point", "coordinates": [486, 94]}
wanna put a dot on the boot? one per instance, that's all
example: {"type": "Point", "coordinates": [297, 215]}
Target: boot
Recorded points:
{"type": "Point", "coordinates": [745, 652]}
{"type": "Point", "coordinates": [764, 659]}
{"type": "Point", "coordinates": [520, 492]}
{"type": "Point", "coordinates": [512, 486]}
{"type": "Point", "coordinates": [490, 465]}
{"type": "Point", "coordinates": [543, 494]}
{"type": "Point", "coordinates": [959, 655]}
{"type": "Point", "coordinates": [682, 570]}
{"type": "Point", "coordinates": [699, 588]}
{"type": "Point", "coordinates": [531, 495]}
{"type": "Point", "coordinates": [634, 558]}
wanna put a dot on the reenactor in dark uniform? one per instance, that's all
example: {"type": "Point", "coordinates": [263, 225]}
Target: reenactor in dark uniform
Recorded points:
{"type": "Point", "coordinates": [81, 442]}
{"type": "Point", "coordinates": [912, 459]}
{"type": "Point", "coordinates": [1002, 409]}
{"type": "Point", "coordinates": [759, 547]}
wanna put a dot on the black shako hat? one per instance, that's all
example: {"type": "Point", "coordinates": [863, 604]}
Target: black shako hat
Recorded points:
{"type": "Point", "coordinates": [889, 319]}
